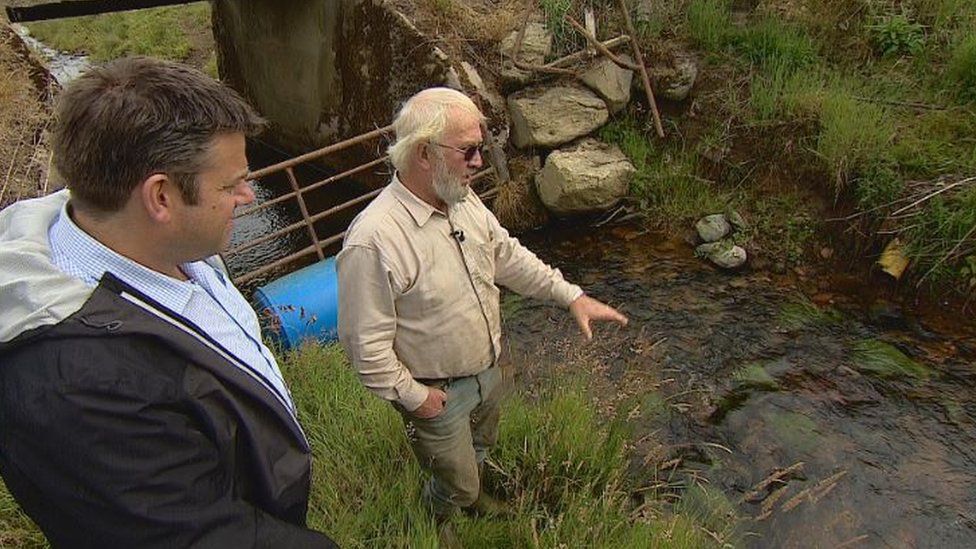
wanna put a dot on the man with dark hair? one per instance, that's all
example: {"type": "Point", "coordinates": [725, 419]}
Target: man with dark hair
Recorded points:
{"type": "Point", "coordinates": [138, 405]}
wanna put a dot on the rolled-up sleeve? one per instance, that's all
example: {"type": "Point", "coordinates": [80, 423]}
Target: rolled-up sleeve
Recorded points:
{"type": "Point", "coordinates": [367, 326]}
{"type": "Point", "coordinates": [520, 270]}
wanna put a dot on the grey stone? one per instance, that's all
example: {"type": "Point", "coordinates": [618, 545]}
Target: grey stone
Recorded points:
{"type": "Point", "coordinates": [676, 83]}
{"type": "Point", "coordinates": [611, 82]}
{"type": "Point", "coordinates": [725, 254]}
{"type": "Point", "coordinates": [550, 117]}
{"type": "Point", "coordinates": [712, 228]}
{"type": "Point", "coordinates": [592, 176]}
{"type": "Point", "coordinates": [471, 73]}
{"type": "Point", "coordinates": [536, 45]}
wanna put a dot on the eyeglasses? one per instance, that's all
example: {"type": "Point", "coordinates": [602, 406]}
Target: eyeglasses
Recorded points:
{"type": "Point", "coordinates": [468, 152]}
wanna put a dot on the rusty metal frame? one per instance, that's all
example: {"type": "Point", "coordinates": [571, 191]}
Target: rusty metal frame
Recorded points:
{"type": "Point", "coordinates": [308, 220]}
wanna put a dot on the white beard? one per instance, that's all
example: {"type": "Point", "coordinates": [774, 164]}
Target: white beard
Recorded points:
{"type": "Point", "coordinates": [448, 186]}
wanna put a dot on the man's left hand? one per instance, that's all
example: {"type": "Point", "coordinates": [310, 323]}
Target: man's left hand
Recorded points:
{"type": "Point", "coordinates": [585, 309]}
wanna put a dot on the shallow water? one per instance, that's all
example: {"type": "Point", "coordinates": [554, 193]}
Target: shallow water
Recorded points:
{"type": "Point", "coordinates": [728, 378]}
{"type": "Point", "coordinates": [64, 67]}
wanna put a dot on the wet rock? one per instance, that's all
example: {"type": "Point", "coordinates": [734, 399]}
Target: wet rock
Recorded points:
{"type": "Point", "coordinates": [713, 228]}
{"type": "Point", "coordinates": [592, 176]}
{"type": "Point", "coordinates": [536, 45]}
{"type": "Point", "coordinates": [611, 82]}
{"type": "Point", "coordinates": [725, 254]}
{"type": "Point", "coordinates": [550, 117]}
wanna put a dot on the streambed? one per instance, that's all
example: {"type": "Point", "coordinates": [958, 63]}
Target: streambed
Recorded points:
{"type": "Point", "coordinates": [843, 423]}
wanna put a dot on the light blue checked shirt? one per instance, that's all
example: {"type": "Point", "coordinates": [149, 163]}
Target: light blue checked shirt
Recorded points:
{"type": "Point", "coordinates": [206, 297]}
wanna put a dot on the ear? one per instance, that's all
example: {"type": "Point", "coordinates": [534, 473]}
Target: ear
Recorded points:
{"type": "Point", "coordinates": [157, 193]}
{"type": "Point", "coordinates": [423, 155]}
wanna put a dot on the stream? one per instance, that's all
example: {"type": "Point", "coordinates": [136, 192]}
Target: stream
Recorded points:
{"type": "Point", "coordinates": [844, 423]}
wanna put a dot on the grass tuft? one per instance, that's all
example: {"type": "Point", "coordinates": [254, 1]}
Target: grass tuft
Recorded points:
{"type": "Point", "coordinates": [853, 135]}
{"type": "Point", "coordinates": [709, 23]}
{"type": "Point", "coordinates": [770, 43]}
{"type": "Point", "coordinates": [962, 69]}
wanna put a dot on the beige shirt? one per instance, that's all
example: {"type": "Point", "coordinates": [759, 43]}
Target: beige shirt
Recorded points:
{"type": "Point", "coordinates": [418, 302]}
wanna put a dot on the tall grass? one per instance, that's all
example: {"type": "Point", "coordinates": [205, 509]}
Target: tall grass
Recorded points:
{"type": "Point", "coordinates": [853, 134]}
{"type": "Point", "coordinates": [562, 467]}
{"type": "Point", "coordinates": [709, 23]}
{"type": "Point", "coordinates": [962, 68]}
{"type": "Point", "coordinates": [770, 43]}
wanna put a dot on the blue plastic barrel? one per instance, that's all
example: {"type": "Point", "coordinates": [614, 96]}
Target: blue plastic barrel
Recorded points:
{"type": "Point", "coordinates": [301, 305]}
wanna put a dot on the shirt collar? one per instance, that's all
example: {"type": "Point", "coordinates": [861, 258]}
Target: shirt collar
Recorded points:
{"type": "Point", "coordinates": [91, 259]}
{"type": "Point", "coordinates": [419, 210]}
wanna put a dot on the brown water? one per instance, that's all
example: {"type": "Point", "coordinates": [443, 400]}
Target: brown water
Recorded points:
{"type": "Point", "coordinates": [728, 378]}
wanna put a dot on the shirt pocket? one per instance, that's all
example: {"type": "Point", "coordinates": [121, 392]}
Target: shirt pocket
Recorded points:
{"type": "Point", "coordinates": [483, 262]}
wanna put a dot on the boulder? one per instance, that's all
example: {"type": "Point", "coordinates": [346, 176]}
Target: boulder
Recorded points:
{"type": "Point", "coordinates": [592, 176]}
{"type": "Point", "coordinates": [611, 82]}
{"type": "Point", "coordinates": [713, 228]}
{"type": "Point", "coordinates": [725, 254]}
{"type": "Point", "coordinates": [550, 117]}
{"type": "Point", "coordinates": [536, 45]}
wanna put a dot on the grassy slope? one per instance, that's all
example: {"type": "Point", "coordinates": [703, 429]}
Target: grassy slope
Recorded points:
{"type": "Point", "coordinates": [874, 105]}
{"type": "Point", "coordinates": [562, 466]}
{"type": "Point", "coordinates": [179, 33]}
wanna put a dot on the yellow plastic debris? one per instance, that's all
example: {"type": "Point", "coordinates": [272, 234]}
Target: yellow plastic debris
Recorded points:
{"type": "Point", "coordinates": [893, 260]}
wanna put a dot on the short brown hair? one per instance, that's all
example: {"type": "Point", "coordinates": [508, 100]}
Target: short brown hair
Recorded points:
{"type": "Point", "coordinates": [121, 122]}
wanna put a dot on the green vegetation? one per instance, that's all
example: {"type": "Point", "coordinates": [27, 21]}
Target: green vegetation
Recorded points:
{"type": "Point", "coordinates": [562, 467]}
{"type": "Point", "coordinates": [177, 33]}
{"type": "Point", "coordinates": [16, 530]}
{"type": "Point", "coordinates": [755, 375]}
{"type": "Point", "coordinates": [894, 34]}
{"type": "Point", "coordinates": [666, 183]}
{"type": "Point", "coordinates": [564, 38]}
{"type": "Point", "coordinates": [709, 22]}
{"type": "Point", "coordinates": [962, 69]}
{"type": "Point", "coordinates": [869, 103]}
{"type": "Point", "coordinates": [803, 313]}
{"type": "Point", "coordinates": [883, 360]}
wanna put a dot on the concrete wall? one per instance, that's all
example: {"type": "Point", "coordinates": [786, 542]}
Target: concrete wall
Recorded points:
{"type": "Point", "coordinates": [322, 70]}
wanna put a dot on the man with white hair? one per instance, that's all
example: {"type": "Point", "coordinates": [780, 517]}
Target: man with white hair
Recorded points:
{"type": "Point", "coordinates": [419, 309]}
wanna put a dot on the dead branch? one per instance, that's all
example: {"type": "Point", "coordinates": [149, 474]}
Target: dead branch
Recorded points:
{"type": "Point", "coordinates": [934, 194]}
{"type": "Point", "coordinates": [760, 489]}
{"type": "Point", "coordinates": [599, 46]}
{"type": "Point", "coordinates": [909, 104]}
{"type": "Point", "coordinates": [582, 54]}
{"type": "Point", "coordinates": [815, 492]}
{"type": "Point", "coordinates": [853, 541]}
{"type": "Point", "coordinates": [947, 255]}
{"type": "Point", "coordinates": [639, 57]}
